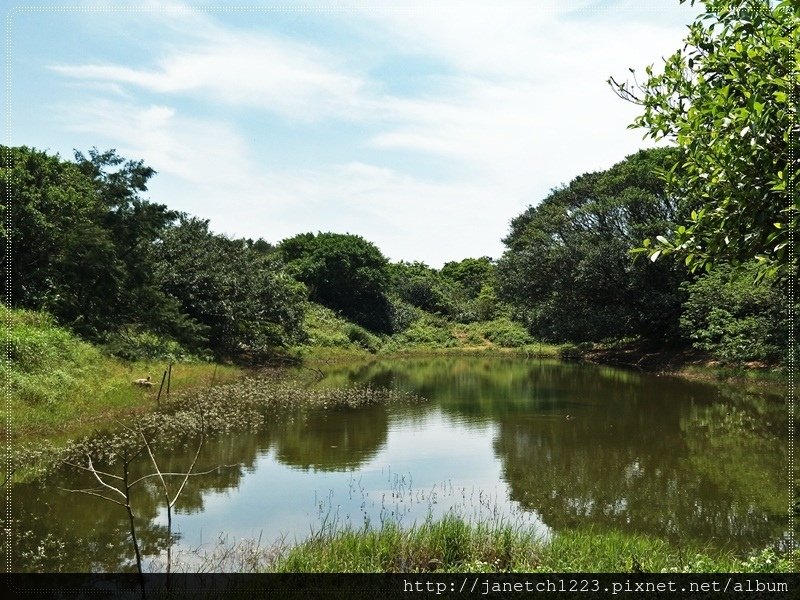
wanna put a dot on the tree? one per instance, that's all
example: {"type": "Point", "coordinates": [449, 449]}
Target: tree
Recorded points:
{"type": "Point", "coordinates": [567, 271]}
{"type": "Point", "coordinates": [62, 259]}
{"type": "Point", "coordinates": [471, 273]}
{"type": "Point", "coordinates": [231, 286]}
{"type": "Point", "coordinates": [135, 225]}
{"type": "Point", "coordinates": [421, 286]}
{"type": "Point", "coordinates": [343, 272]}
{"type": "Point", "coordinates": [729, 99]}
{"type": "Point", "coordinates": [735, 321]}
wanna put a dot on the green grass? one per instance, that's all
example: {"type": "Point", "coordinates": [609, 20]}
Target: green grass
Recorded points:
{"type": "Point", "coordinates": [333, 338]}
{"type": "Point", "coordinates": [327, 330]}
{"type": "Point", "coordinates": [60, 386]}
{"type": "Point", "coordinates": [455, 545]}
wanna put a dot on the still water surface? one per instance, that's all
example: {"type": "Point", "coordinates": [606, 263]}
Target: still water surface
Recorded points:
{"type": "Point", "coordinates": [550, 445]}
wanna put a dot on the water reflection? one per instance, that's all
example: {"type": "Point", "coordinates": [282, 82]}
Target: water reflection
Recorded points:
{"type": "Point", "coordinates": [616, 449]}
{"type": "Point", "coordinates": [569, 445]}
{"type": "Point", "coordinates": [330, 440]}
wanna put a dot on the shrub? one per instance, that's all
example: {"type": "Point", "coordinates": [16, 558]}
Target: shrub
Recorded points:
{"type": "Point", "coordinates": [132, 344]}
{"type": "Point", "coordinates": [362, 337]}
{"type": "Point", "coordinates": [428, 331]}
{"type": "Point", "coordinates": [323, 328]}
{"type": "Point", "coordinates": [506, 333]}
{"type": "Point", "coordinates": [402, 314]}
{"type": "Point", "coordinates": [735, 320]}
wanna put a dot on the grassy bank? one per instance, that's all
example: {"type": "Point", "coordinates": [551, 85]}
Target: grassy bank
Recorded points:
{"type": "Point", "coordinates": [60, 386]}
{"type": "Point", "coordinates": [453, 544]}
{"type": "Point", "coordinates": [334, 339]}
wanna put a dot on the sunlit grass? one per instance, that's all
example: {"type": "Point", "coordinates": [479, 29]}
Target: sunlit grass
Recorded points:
{"type": "Point", "coordinates": [59, 386]}
{"type": "Point", "coordinates": [453, 544]}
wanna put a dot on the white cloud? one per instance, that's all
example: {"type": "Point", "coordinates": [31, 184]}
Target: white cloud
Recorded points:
{"type": "Point", "coordinates": [265, 71]}
{"type": "Point", "coordinates": [520, 105]}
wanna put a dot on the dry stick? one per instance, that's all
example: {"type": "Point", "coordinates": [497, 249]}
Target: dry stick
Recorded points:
{"type": "Point", "coordinates": [159, 388]}
{"type": "Point", "coordinates": [125, 503]}
{"type": "Point", "coordinates": [213, 375]}
{"type": "Point", "coordinates": [125, 474]}
{"type": "Point", "coordinates": [169, 378]}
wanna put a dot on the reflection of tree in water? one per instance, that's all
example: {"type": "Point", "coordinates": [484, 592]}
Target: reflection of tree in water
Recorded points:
{"type": "Point", "coordinates": [332, 440]}
{"type": "Point", "coordinates": [50, 518]}
{"type": "Point", "coordinates": [46, 517]}
{"type": "Point", "coordinates": [51, 530]}
{"type": "Point", "coordinates": [617, 449]}
{"type": "Point", "coordinates": [648, 466]}
{"type": "Point", "coordinates": [487, 388]}
{"type": "Point", "coordinates": [230, 456]}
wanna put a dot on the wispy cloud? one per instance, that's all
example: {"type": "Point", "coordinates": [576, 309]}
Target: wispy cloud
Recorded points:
{"type": "Point", "coordinates": [257, 71]}
{"type": "Point", "coordinates": [519, 105]}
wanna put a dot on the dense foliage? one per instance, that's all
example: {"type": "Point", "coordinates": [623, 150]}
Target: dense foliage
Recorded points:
{"type": "Point", "coordinates": [117, 268]}
{"type": "Point", "coordinates": [65, 258]}
{"type": "Point", "coordinates": [734, 320]}
{"type": "Point", "coordinates": [150, 283]}
{"type": "Point", "coordinates": [424, 287]}
{"type": "Point", "coordinates": [233, 287]}
{"type": "Point", "coordinates": [729, 100]}
{"type": "Point", "coordinates": [568, 271]}
{"type": "Point", "coordinates": [344, 272]}
{"type": "Point", "coordinates": [472, 274]}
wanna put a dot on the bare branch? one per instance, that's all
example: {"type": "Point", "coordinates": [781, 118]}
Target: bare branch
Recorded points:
{"type": "Point", "coordinates": [103, 483]}
{"type": "Point", "coordinates": [155, 466]}
{"type": "Point", "coordinates": [184, 474]}
{"type": "Point", "coordinates": [92, 493]}
{"type": "Point", "coordinates": [77, 466]}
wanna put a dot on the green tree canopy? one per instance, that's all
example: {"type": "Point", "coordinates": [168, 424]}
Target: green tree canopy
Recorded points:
{"type": "Point", "coordinates": [421, 286]}
{"type": "Point", "coordinates": [729, 99]}
{"type": "Point", "coordinates": [471, 273]}
{"type": "Point", "coordinates": [343, 272]}
{"type": "Point", "coordinates": [80, 237]}
{"type": "Point", "coordinates": [62, 259]}
{"type": "Point", "coordinates": [231, 286]}
{"type": "Point", "coordinates": [567, 270]}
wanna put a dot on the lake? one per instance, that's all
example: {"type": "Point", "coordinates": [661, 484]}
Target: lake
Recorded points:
{"type": "Point", "coordinates": [546, 444]}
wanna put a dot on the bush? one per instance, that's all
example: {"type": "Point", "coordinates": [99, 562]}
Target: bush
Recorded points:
{"type": "Point", "coordinates": [735, 320]}
{"type": "Point", "coordinates": [428, 331]}
{"type": "Point", "coordinates": [132, 344]}
{"type": "Point", "coordinates": [362, 337]}
{"type": "Point", "coordinates": [419, 285]}
{"type": "Point", "coordinates": [402, 314]}
{"type": "Point", "coordinates": [323, 328]}
{"type": "Point", "coordinates": [506, 333]}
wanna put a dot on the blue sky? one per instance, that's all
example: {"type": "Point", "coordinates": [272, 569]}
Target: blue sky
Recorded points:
{"type": "Point", "coordinates": [424, 129]}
